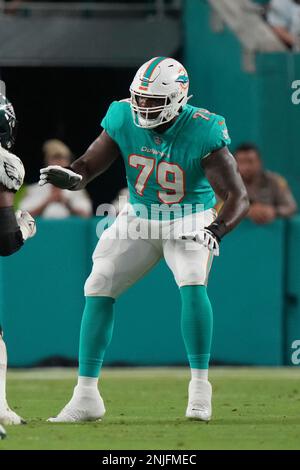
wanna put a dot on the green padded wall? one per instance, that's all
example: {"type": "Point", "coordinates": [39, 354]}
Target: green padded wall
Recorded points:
{"type": "Point", "coordinates": [292, 310]}
{"type": "Point", "coordinates": [42, 292]}
{"type": "Point", "coordinates": [42, 300]}
{"type": "Point", "coordinates": [247, 292]}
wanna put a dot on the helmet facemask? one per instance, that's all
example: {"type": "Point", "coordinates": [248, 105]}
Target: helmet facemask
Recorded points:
{"type": "Point", "coordinates": [150, 117]}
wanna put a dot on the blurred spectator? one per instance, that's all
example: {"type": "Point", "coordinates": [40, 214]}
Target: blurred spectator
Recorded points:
{"type": "Point", "coordinates": [51, 202]}
{"type": "Point", "coordinates": [284, 18]}
{"type": "Point", "coordinates": [269, 194]}
{"type": "Point", "coordinates": [11, 6]}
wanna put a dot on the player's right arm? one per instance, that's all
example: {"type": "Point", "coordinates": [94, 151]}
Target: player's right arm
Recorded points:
{"type": "Point", "coordinates": [96, 160]}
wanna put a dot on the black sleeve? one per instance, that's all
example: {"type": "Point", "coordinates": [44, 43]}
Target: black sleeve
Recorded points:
{"type": "Point", "coordinates": [11, 238]}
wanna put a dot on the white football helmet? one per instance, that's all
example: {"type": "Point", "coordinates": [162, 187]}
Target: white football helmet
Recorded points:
{"type": "Point", "coordinates": [161, 78]}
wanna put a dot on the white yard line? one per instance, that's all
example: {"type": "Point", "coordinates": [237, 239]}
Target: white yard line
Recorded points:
{"type": "Point", "coordinates": [152, 372]}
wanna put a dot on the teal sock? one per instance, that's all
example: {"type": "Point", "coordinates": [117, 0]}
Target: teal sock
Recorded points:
{"type": "Point", "coordinates": [95, 334]}
{"type": "Point", "coordinates": [196, 325]}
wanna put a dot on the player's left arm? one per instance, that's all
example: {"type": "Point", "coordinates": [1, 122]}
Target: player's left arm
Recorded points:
{"type": "Point", "coordinates": [221, 170]}
{"type": "Point", "coordinates": [96, 160]}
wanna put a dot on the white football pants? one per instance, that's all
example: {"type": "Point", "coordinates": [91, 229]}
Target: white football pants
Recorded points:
{"type": "Point", "coordinates": [131, 246]}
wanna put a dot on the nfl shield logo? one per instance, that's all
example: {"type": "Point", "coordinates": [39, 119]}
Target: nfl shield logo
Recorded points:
{"type": "Point", "coordinates": [157, 140]}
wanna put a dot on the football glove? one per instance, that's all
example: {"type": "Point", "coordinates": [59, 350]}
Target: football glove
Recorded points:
{"type": "Point", "coordinates": [205, 237]}
{"type": "Point", "coordinates": [60, 177]}
{"type": "Point", "coordinates": [12, 170]}
{"type": "Point", "coordinates": [26, 223]}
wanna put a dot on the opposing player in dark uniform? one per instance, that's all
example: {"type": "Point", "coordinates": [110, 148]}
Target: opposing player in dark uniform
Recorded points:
{"type": "Point", "coordinates": [14, 228]}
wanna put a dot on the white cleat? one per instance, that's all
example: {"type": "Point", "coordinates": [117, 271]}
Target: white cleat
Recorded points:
{"type": "Point", "coordinates": [86, 404]}
{"type": "Point", "coordinates": [8, 417]}
{"type": "Point", "coordinates": [199, 405]}
{"type": "Point", "coordinates": [2, 433]}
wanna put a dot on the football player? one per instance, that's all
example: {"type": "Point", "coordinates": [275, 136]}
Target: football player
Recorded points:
{"type": "Point", "coordinates": [14, 228]}
{"type": "Point", "coordinates": [175, 155]}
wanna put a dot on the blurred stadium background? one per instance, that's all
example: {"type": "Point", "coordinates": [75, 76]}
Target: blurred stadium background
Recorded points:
{"type": "Point", "coordinates": [63, 63]}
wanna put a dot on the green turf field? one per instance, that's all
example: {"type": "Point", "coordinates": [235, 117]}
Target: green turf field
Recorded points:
{"type": "Point", "coordinates": [253, 409]}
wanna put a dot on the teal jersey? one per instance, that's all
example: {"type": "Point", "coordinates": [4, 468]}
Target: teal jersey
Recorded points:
{"type": "Point", "coordinates": [164, 169]}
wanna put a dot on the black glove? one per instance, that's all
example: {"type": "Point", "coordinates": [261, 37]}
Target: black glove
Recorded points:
{"type": "Point", "coordinates": [218, 229]}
